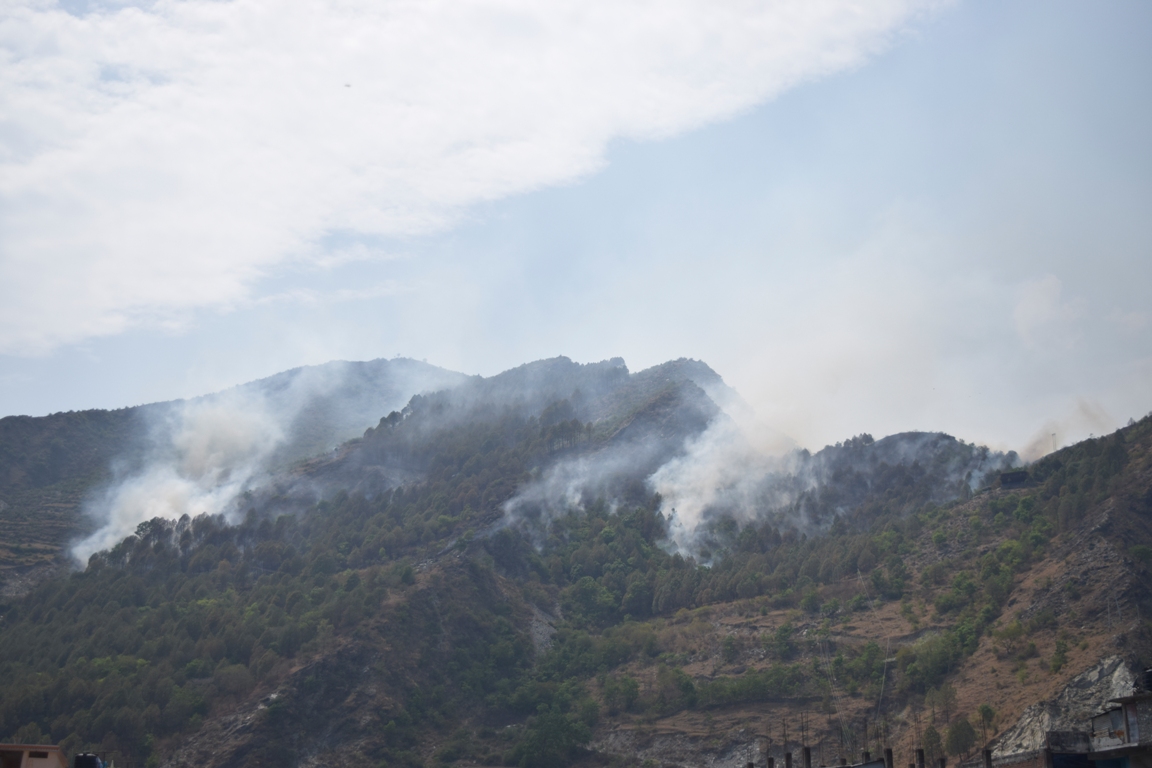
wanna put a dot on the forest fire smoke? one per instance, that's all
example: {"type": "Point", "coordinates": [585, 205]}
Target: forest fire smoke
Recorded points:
{"type": "Point", "coordinates": [208, 453]}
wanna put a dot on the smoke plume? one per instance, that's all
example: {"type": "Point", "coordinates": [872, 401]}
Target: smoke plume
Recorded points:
{"type": "Point", "coordinates": [723, 471]}
{"type": "Point", "coordinates": [207, 453]}
{"type": "Point", "coordinates": [717, 469]}
{"type": "Point", "coordinates": [1086, 418]}
{"type": "Point", "coordinates": [198, 456]}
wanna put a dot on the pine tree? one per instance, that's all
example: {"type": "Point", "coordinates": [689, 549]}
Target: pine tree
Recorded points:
{"type": "Point", "coordinates": [961, 737]}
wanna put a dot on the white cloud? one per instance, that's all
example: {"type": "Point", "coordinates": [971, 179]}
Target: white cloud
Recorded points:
{"type": "Point", "coordinates": [158, 159]}
{"type": "Point", "coordinates": [1134, 321]}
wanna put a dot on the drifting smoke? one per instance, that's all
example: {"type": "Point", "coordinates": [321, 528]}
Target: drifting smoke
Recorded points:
{"type": "Point", "coordinates": [202, 455]}
{"type": "Point", "coordinates": [674, 430]}
{"type": "Point", "coordinates": [1087, 418]}
{"type": "Point", "coordinates": [211, 452]}
{"type": "Point", "coordinates": [717, 469]}
{"type": "Point", "coordinates": [572, 484]}
{"type": "Point", "coordinates": [653, 412]}
{"type": "Point", "coordinates": [722, 471]}
{"type": "Point", "coordinates": [564, 486]}
{"type": "Point", "coordinates": [709, 466]}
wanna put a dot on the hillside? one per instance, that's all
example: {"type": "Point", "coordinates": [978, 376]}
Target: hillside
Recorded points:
{"type": "Point", "coordinates": [487, 576]}
{"type": "Point", "coordinates": [50, 465]}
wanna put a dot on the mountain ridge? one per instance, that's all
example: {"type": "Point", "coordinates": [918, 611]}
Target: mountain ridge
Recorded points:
{"type": "Point", "coordinates": [50, 465]}
{"type": "Point", "coordinates": [518, 596]}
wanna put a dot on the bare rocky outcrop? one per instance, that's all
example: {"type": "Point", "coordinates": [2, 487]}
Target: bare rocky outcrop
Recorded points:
{"type": "Point", "coordinates": [1086, 695]}
{"type": "Point", "coordinates": [541, 628]}
{"type": "Point", "coordinates": [673, 750]}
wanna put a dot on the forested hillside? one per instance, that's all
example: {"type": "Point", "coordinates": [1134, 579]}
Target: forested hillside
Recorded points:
{"type": "Point", "coordinates": [486, 576]}
{"type": "Point", "coordinates": [50, 465]}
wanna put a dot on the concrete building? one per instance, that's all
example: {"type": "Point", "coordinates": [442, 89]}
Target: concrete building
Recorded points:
{"type": "Point", "coordinates": [31, 756]}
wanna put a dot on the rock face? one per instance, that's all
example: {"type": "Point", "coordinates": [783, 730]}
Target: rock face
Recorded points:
{"type": "Point", "coordinates": [675, 750]}
{"type": "Point", "coordinates": [1086, 695]}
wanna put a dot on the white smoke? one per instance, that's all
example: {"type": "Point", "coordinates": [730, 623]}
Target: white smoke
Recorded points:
{"type": "Point", "coordinates": [204, 453]}
{"type": "Point", "coordinates": [210, 451]}
{"type": "Point", "coordinates": [562, 487]}
{"type": "Point", "coordinates": [719, 467]}
{"type": "Point", "coordinates": [571, 483]}
{"type": "Point", "coordinates": [725, 466]}
{"type": "Point", "coordinates": [738, 468]}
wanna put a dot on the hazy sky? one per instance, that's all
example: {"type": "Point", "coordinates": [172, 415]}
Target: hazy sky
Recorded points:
{"type": "Point", "coordinates": [867, 216]}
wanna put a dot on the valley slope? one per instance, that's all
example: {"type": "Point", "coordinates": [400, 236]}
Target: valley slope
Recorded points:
{"type": "Point", "coordinates": [51, 465]}
{"type": "Point", "coordinates": [487, 576]}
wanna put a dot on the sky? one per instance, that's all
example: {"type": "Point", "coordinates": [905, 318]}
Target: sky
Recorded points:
{"type": "Point", "coordinates": [869, 216]}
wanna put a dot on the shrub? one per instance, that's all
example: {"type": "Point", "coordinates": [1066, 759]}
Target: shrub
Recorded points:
{"type": "Point", "coordinates": [961, 737]}
{"type": "Point", "coordinates": [729, 649]}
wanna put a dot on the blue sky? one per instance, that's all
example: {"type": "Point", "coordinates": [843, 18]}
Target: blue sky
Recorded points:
{"type": "Point", "coordinates": [903, 216]}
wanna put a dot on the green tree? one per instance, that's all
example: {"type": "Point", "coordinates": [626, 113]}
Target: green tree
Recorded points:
{"type": "Point", "coordinates": [986, 716]}
{"type": "Point", "coordinates": [1011, 636]}
{"type": "Point", "coordinates": [942, 700]}
{"type": "Point", "coordinates": [729, 649]}
{"type": "Point", "coordinates": [551, 739]}
{"type": "Point", "coordinates": [932, 746]}
{"type": "Point", "coordinates": [620, 693]}
{"type": "Point", "coordinates": [961, 738]}
{"type": "Point", "coordinates": [781, 642]}
{"type": "Point", "coordinates": [1141, 553]}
